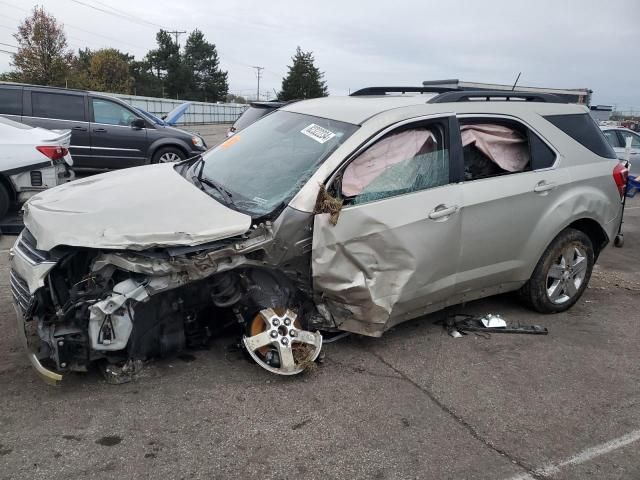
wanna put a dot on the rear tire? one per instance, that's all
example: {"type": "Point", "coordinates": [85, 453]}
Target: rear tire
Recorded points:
{"type": "Point", "coordinates": [5, 201]}
{"type": "Point", "coordinates": [562, 273]}
{"type": "Point", "coordinates": [168, 155]}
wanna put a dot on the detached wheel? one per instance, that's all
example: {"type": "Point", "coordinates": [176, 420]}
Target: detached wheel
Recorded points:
{"type": "Point", "coordinates": [168, 155]}
{"type": "Point", "coordinates": [562, 274]}
{"type": "Point", "coordinates": [5, 201]}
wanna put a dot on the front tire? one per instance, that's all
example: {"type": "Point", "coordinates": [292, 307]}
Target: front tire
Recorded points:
{"type": "Point", "coordinates": [168, 155]}
{"type": "Point", "coordinates": [562, 273]}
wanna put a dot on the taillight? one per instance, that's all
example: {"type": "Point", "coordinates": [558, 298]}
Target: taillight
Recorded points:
{"type": "Point", "coordinates": [620, 176]}
{"type": "Point", "coordinates": [54, 152]}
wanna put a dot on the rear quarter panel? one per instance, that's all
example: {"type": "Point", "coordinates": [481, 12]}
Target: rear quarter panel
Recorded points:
{"type": "Point", "coordinates": [590, 192]}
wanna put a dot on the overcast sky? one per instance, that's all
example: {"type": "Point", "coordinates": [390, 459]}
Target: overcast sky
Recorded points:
{"type": "Point", "coordinates": [562, 44]}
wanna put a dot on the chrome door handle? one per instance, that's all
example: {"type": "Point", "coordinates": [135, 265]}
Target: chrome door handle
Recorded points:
{"type": "Point", "coordinates": [545, 187]}
{"type": "Point", "coordinates": [442, 211]}
{"type": "Point", "coordinates": [99, 130]}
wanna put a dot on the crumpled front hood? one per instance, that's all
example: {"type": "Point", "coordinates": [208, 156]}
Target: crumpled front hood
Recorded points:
{"type": "Point", "coordinates": [135, 208]}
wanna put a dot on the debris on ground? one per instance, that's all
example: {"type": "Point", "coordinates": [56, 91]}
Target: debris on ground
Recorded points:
{"type": "Point", "coordinates": [458, 325]}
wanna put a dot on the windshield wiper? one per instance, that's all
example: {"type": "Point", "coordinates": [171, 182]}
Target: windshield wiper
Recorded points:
{"type": "Point", "coordinates": [202, 180]}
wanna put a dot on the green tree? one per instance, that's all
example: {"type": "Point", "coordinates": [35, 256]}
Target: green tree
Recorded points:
{"type": "Point", "coordinates": [304, 79]}
{"type": "Point", "coordinates": [104, 70]}
{"type": "Point", "coordinates": [207, 81]}
{"type": "Point", "coordinates": [168, 66]}
{"type": "Point", "coordinates": [109, 71]}
{"type": "Point", "coordinates": [145, 82]}
{"type": "Point", "coordinates": [43, 56]}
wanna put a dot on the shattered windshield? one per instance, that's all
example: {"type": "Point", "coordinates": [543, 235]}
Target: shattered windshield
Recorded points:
{"type": "Point", "coordinates": [264, 166]}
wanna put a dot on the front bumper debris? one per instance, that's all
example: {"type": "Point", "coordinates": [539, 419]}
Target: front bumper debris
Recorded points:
{"type": "Point", "coordinates": [47, 375]}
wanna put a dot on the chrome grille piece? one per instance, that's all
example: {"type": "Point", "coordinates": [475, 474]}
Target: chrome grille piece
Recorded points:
{"type": "Point", "coordinates": [26, 244]}
{"type": "Point", "coordinates": [20, 292]}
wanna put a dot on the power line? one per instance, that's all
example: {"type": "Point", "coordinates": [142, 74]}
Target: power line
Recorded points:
{"type": "Point", "coordinates": [129, 17]}
{"type": "Point", "coordinates": [177, 34]}
{"type": "Point", "coordinates": [8, 45]}
{"type": "Point", "coordinates": [106, 37]}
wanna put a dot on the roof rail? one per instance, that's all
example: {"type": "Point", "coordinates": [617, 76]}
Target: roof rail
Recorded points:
{"type": "Point", "coordinates": [385, 90]}
{"type": "Point", "coordinates": [488, 95]}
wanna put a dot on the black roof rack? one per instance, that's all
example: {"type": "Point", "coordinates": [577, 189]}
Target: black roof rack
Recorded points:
{"type": "Point", "coordinates": [385, 90]}
{"type": "Point", "coordinates": [488, 95]}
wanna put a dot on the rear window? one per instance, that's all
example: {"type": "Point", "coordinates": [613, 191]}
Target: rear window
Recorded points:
{"type": "Point", "coordinates": [11, 123]}
{"type": "Point", "coordinates": [58, 106]}
{"type": "Point", "coordinates": [11, 101]}
{"type": "Point", "coordinates": [582, 128]}
{"type": "Point", "coordinates": [250, 115]}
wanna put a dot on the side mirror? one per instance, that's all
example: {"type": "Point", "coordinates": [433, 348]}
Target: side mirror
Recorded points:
{"type": "Point", "coordinates": [138, 124]}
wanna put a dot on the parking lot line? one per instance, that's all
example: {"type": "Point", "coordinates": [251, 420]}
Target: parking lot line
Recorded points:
{"type": "Point", "coordinates": [582, 457]}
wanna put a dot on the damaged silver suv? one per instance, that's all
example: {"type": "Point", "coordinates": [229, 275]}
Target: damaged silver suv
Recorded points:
{"type": "Point", "coordinates": [336, 214]}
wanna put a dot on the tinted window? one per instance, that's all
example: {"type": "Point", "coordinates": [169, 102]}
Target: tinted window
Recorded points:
{"type": "Point", "coordinates": [111, 113]}
{"type": "Point", "coordinates": [612, 138]}
{"type": "Point", "coordinates": [250, 115]}
{"type": "Point", "coordinates": [57, 105]}
{"type": "Point", "coordinates": [583, 129]}
{"type": "Point", "coordinates": [11, 101]}
{"type": "Point", "coordinates": [11, 123]}
{"type": "Point", "coordinates": [402, 162]}
{"type": "Point", "coordinates": [541, 155]}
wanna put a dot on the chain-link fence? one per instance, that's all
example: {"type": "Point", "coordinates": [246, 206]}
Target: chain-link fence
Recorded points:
{"type": "Point", "coordinates": [197, 113]}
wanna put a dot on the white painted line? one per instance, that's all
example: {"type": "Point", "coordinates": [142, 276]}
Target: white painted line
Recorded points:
{"type": "Point", "coordinates": [631, 208]}
{"type": "Point", "coordinates": [582, 457]}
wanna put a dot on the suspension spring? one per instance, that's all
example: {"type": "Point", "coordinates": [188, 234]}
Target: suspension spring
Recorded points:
{"type": "Point", "coordinates": [225, 291]}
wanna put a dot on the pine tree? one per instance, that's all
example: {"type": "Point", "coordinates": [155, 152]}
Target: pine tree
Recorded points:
{"type": "Point", "coordinates": [304, 79]}
{"type": "Point", "coordinates": [208, 82]}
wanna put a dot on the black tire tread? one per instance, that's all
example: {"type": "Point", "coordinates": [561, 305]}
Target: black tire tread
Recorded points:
{"type": "Point", "coordinates": [533, 293]}
{"type": "Point", "coordinates": [163, 150]}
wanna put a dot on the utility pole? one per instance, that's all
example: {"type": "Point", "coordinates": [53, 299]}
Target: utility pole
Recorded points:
{"type": "Point", "coordinates": [176, 33]}
{"type": "Point", "coordinates": [258, 76]}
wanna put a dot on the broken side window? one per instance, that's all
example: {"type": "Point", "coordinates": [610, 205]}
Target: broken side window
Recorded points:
{"type": "Point", "coordinates": [492, 149]}
{"type": "Point", "coordinates": [402, 162]}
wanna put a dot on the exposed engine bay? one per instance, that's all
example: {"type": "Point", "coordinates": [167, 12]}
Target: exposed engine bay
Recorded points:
{"type": "Point", "coordinates": [119, 308]}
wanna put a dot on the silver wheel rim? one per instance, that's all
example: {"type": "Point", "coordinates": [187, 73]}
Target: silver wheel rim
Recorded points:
{"type": "Point", "coordinates": [281, 334]}
{"type": "Point", "coordinates": [169, 157]}
{"type": "Point", "coordinates": [566, 275]}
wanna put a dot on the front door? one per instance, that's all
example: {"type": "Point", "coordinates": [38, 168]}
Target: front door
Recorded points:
{"type": "Point", "coordinates": [393, 252]}
{"type": "Point", "coordinates": [115, 142]}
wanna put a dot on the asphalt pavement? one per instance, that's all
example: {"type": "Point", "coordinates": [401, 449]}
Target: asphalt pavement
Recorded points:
{"type": "Point", "coordinates": [414, 404]}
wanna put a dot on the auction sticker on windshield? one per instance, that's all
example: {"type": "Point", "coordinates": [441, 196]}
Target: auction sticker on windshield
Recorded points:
{"type": "Point", "coordinates": [319, 134]}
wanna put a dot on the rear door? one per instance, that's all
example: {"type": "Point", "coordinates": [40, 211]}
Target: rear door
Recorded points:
{"type": "Point", "coordinates": [394, 250]}
{"type": "Point", "coordinates": [503, 214]}
{"type": "Point", "coordinates": [115, 142]}
{"type": "Point", "coordinates": [11, 102]}
{"type": "Point", "coordinates": [60, 110]}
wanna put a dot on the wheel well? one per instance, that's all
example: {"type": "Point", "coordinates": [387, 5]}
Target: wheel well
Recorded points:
{"type": "Point", "coordinates": [7, 184]}
{"type": "Point", "coordinates": [594, 231]}
{"type": "Point", "coordinates": [170, 145]}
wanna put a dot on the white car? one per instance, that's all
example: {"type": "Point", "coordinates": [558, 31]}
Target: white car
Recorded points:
{"type": "Point", "coordinates": [617, 137]}
{"type": "Point", "coordinates": [32, 159]}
